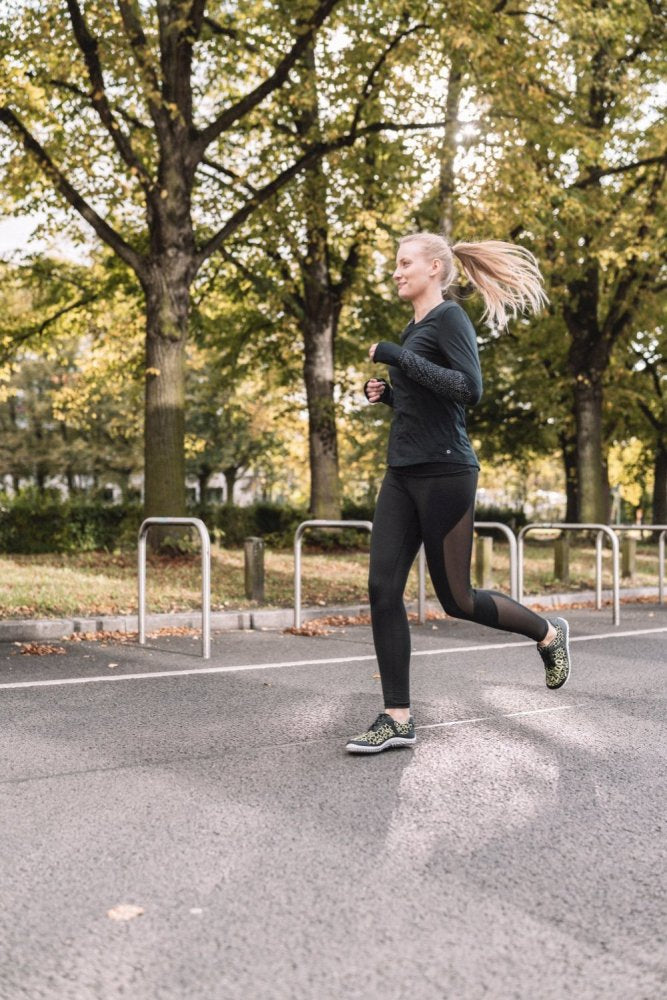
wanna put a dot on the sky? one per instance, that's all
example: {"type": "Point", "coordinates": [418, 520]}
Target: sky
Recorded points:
{"type": "Point", "coordinates": [15, 236]}
{"type": "Point", "coordinates": [14, 233]}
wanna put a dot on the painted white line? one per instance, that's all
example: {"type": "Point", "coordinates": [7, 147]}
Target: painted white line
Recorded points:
{"type": "Point", "coordinates": [616, 635]}
{"type": "Point", "coordinates": [240, 668]}
{"type": "Point", "coordinates": [490, 718]}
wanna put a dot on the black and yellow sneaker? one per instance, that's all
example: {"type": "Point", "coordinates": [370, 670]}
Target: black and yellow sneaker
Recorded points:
{"type": "Point", "coordinates": [556, 655]}
{"type": "Point", "coordinates": [383, 734]}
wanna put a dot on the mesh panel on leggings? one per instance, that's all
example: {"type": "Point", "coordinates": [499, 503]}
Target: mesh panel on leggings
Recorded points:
{"type": "Point", "coordinates": [488, 607]}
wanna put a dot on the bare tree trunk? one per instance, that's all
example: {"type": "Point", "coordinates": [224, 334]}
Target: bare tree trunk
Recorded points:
{"type": "Point", "coordinates": [318, 370]}
{"type": "Point", "coordinates": [167, 304]}
{"type": "Point", "coordinates": [450, 144]}
{"type": "Point", "coordinates": [568, 445]}
{"type": "Point", "coordinates": [588, 409]}
{"type": "Point", "coordinates": [660, 484]}
{"type": "Point", "coordinates": [320, 315]}
{"type": "Point", "coordinates": [203, 476]}
{"type": "Point", "coordinates": [230, 474]}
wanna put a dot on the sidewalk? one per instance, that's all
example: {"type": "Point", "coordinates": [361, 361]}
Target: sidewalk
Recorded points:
{"type": "Point", "coordinates": [30, 630]}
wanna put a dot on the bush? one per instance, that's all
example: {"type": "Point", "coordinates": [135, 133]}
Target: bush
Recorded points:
{"type": "Point", "coordinates": [355, 510]}
{"type": "Point", "coordinates": [275, 523]}
{"type": "Point", "coordinates": [34, 522]}
{"type": "Point", "coordinates": [514, 519]}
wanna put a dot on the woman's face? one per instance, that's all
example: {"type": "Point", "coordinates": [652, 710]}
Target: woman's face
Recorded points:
{"type": "Point", "coordinates": [414, 273]}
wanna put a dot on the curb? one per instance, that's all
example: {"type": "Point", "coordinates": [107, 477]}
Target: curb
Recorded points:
{"type": "Point", "coordinates": [17, 630]}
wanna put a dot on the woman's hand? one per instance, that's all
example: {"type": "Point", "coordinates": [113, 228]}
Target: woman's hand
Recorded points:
{"type": "Point", "coordinates": [374, 389]}
{"type": "Point", "coordinates": [371, 351]}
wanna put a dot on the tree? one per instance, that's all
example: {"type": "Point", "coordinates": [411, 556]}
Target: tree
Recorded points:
{"type": "Point", "coordinates": [311, 252]}
{"type": "Point", "coordinates": [570, 161]}
{"type": "Point", "coordinates": [127, 113]}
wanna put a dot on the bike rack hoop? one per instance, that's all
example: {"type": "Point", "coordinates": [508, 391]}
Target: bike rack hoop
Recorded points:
{"type": "Point", "coordinates": [511, 538]}
{"type": "Point", "coordinates": [193, 522]}
{"type": "Point", "coordinates": [652, 528]}
{"type": "Point", "coordinates": [298, 538]}
{"type": "Point", "coordinates": [602, 530]}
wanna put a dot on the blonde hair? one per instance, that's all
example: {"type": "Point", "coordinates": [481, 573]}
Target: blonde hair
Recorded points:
{"type": "Point", "coordinates": [507, 275]}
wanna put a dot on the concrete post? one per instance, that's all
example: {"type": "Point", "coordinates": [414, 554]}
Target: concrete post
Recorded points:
{"type": "Point", "coordinates": [254, 568]}
{"type": "Point", "coordinates": [562, 558]}
{"type": "Point", "coordinates": [483, 560]}
{"type": "Point", "coordinates": [628, 556]}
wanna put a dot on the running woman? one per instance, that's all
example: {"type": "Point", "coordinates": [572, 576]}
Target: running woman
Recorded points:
{"type": "Point", "coordinates": [428, 493]}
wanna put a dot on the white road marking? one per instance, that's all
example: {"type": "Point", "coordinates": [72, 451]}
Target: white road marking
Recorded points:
{"type": "Point", "coordinates": [491, 718]}
{"type": "Point", "coordinates": [240, 668]}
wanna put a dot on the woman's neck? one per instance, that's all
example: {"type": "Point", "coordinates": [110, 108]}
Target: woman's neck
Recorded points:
{"type": "Point", "coordinates": [425, 303]}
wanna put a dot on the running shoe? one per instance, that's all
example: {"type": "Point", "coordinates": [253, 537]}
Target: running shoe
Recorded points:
{"type": "Point", "coordinates": [384, 733]}
{"type": "Point", "coordinates": [556, 655]}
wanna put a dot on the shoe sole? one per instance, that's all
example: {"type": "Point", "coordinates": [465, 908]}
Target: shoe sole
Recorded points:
{"type": "Point", "coordinates": [566, 628]}
{"type": "Point", "coordinates": [396, 741]}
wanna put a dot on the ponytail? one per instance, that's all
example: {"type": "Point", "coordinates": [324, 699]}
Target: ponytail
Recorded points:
{"type": "Point", "coordinates": [507, 275]}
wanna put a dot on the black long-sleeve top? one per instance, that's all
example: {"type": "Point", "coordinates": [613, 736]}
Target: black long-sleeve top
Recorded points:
{"type": "Point", "coordinates": [435, 373]}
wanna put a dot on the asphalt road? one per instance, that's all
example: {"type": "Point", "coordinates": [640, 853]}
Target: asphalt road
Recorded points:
{"type": "Point", "coordinates": [517, 852]}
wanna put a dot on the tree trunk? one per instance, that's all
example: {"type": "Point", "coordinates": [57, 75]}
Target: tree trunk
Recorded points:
{"type": "Point", "coordinates": [230, 475]}
{"type": "Point", "coordinates": [167, 302]}
{"type": "Point", "coordinates": [588, 410]}
{"type": "Point", "coordinates": [568, 445]}
{"type": "Point", "coordinates": [320, 316]}
{"type": "Point", "coordinates": [606, 488]}
{"type": "Point", "coordinates": [318, 369]}
{"type": "Point", "coordinates": [203, 476]}
{"type": "Point", "coordinates": [450, 144]}
{"type": "Point", "coordinates": [660, 484]}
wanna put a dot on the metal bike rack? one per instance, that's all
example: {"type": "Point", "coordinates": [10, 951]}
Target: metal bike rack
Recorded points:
{"type": "Point", "coordinates": [193, 522]}
{"type": "Point", "coordinates": [368, 525]}
{"type": "Point", "coordinates": [298, 537]}
{"type": "Point", "coordinates": [511, 538]}
{"type": "Point", "coordinates": [652, 528]}
{"type": "Point", "coordinates": [421, 599]}
{"type": "Point", "coordinates": [602, 530]}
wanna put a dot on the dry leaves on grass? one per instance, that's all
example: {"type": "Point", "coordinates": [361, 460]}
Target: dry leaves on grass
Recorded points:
{"type": "Point", "coordinates": [39, 649]}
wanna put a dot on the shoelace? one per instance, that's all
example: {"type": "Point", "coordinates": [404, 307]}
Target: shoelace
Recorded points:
{"type": "Point", "coordinates": [380, 722]}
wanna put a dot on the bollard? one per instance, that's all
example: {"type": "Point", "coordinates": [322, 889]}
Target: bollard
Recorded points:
{"type": "Point", "coordinates": [628, 556]}
{"type": "Point", "coordinates": [483, 558]}
{"type": "Point", "coordinates": [562, 558]}
{"type": "Point", "coordinates": [254, 568]}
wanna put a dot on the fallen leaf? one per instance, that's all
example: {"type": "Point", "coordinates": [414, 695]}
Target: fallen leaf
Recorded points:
{"type": "Point", "coordinates": [40, 649]}
{"type": "Point", "coordinates": [125, 911]}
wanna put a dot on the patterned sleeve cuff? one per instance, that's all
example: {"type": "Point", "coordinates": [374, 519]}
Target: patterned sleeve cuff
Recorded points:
{"type": "Point", "coordinates": [447, 382]}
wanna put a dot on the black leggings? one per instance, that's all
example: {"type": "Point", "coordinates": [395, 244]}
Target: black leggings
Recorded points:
{"type": "Point", "coordinates": [438, 510]}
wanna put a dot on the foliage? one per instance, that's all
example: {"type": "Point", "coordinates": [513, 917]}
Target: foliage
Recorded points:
{"type": "Point", "coordinates": [35, 522]}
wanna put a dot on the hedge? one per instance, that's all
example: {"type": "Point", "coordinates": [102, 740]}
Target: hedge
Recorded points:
{"type": "Point", "coordinates": [33, 522]}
